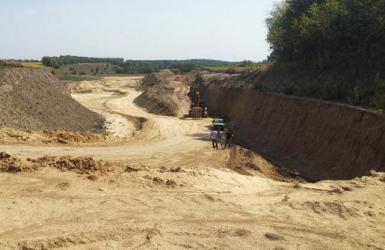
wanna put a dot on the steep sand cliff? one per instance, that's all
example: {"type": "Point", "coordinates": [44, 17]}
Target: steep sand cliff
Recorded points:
{"type": "Point", "coordinates": [319, 140]}
{"type": "Point", "coordinates": [35, 99]}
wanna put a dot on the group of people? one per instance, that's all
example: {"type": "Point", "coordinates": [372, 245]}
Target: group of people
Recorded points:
{"type": "Point", "coordinates": [218, 136]}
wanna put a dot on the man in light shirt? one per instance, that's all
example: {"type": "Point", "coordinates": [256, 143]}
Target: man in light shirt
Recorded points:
{"type": "Point", "coordinates": [214, 138]}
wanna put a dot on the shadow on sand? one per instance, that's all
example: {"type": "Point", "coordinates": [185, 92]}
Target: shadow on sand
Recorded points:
{"type": "Point", "coordinates": [201, 136]}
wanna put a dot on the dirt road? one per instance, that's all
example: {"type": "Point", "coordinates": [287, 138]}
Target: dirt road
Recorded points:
{"type": "Point", "coordinates": [179, 196]}
{"type": "Point", "coordinates": [161, 137]}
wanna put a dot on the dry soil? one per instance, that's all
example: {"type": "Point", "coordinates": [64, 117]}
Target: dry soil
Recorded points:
{"type": "Point", "coordinates": [165, 188]}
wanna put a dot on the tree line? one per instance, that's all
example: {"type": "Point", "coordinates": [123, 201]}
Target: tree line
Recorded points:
{"type": "Point", "coordinates": [134, 66]}
{"type": "Point", "coordinates": [338, 33]}
{"type": "Point", "coordinates": [57, 61]}
{"type": "Point", "coordinates": [340, 38]}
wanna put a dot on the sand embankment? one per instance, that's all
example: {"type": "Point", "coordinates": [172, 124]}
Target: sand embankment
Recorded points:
{"type": "Point", "coordinates": [320, 140]}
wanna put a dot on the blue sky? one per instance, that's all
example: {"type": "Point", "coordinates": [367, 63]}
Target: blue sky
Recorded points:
{"type": "Point", "coordinates": [135, 29]}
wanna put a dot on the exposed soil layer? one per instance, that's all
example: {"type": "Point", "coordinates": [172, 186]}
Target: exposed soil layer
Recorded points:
{"type": "Point", "coordinates": [35, 99]}
{"type": "Point", "coordinates": [319, 140]}
{"type": "Point", "coordinates": [165, 93]}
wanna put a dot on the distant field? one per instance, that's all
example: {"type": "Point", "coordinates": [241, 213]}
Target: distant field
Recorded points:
{"type": "Point", "coordinates": [37, 65]}
{"type": "Point", "coordinates": [75, 78]}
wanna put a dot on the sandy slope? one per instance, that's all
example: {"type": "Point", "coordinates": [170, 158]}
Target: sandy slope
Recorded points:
{"type": "Point", "coordinates": [35, 99]}
{"type": "Point", "coordinates": [200, 206]}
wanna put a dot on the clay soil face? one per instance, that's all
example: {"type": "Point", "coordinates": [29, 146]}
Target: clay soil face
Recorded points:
{"type": "Point", "coordinates": [165, 188]}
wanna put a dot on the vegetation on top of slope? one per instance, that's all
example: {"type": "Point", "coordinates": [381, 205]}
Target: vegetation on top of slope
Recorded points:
{"type": "Point", "coordinates": [329, 49]}
{"type": "Point", "coordinates": [33, 64]}
{"type": "Point", "coordinates": [238, 68]}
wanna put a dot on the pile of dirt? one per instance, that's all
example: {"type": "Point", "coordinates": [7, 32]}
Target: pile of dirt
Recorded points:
{"type": "Point", "coordinates": [65, 136]}
{"type": "Point", "coordinates": [12, 165]}
{"type": "Point", "coordinates": [57, 136]}
{"type": "Point", "coordinates": [165, 93]}
{"type": "Point", "coordinates": [247, 162]}
{"type": "Point", "coordinates": [36, 99]}
{"type": "Point", "coordinates": [317, 139]}
{"type": "Point", "coordinates": [80, 165]}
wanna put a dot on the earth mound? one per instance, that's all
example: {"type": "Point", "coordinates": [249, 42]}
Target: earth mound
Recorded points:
{"type": "Point", "coordinates": [80, 165]}
{"type": "Point", "coordinates": [247, 162]}
{"type": "Point", "coordinates": [165, 93]}
{"type": "Point", "coordinates": [35, 99]}
{"type": "Point", "coordinates": [12, 165]}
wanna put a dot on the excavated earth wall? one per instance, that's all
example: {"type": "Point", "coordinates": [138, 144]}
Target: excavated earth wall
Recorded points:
{"type": "Point", "coordinates": [317, 139]}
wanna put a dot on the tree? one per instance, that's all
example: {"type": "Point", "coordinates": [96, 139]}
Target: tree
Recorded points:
{"type": "Point", "coordinates": [322, 33]}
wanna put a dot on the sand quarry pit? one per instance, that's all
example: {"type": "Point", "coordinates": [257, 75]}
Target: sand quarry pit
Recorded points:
{"type": "Point", "coordinates": [165, 188]}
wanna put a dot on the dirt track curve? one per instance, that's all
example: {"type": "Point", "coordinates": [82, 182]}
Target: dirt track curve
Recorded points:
{"type": "Point", "coordinates": [162, 136]}
{"type": "Point", "coordinates": [179, 196]}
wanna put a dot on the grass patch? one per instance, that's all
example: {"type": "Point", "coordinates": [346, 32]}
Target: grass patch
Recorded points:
{"type": "Point", "coordinates": [76, 78]}
{"type": "Point", "coordinates": [235, 68]}
{"type": "Point", "coordinates": [35, 65]}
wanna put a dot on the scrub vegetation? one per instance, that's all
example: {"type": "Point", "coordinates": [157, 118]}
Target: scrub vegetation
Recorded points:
{"type": "Point", "coordinates": [237, 68]}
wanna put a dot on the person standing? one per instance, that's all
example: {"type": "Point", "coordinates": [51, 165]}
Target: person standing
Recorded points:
{"type": "Point", "coordinates": [229, 135]}
{"type": "Point", "coordinates": [214, 138]}
{"type": "Point", "coordinates": [220, 138]}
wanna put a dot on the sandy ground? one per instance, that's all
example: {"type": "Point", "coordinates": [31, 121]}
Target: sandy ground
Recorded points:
{"type": "Point", "coordinates": [180, 195]}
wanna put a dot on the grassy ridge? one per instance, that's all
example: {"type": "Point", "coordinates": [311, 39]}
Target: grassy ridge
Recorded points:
{"type": "Point", "coordinates": [35, 65]}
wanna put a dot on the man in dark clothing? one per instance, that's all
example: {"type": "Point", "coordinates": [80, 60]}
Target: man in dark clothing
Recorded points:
{"type": "Point", "coordinates": [229, 135]}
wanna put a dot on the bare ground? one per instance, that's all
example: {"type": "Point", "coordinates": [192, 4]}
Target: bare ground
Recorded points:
{"type": "Point", "coordinates": [166, 189]}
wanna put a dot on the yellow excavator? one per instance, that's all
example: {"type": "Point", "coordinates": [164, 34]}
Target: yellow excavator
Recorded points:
{"type": "Point", "coordinates": [198, 110]}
